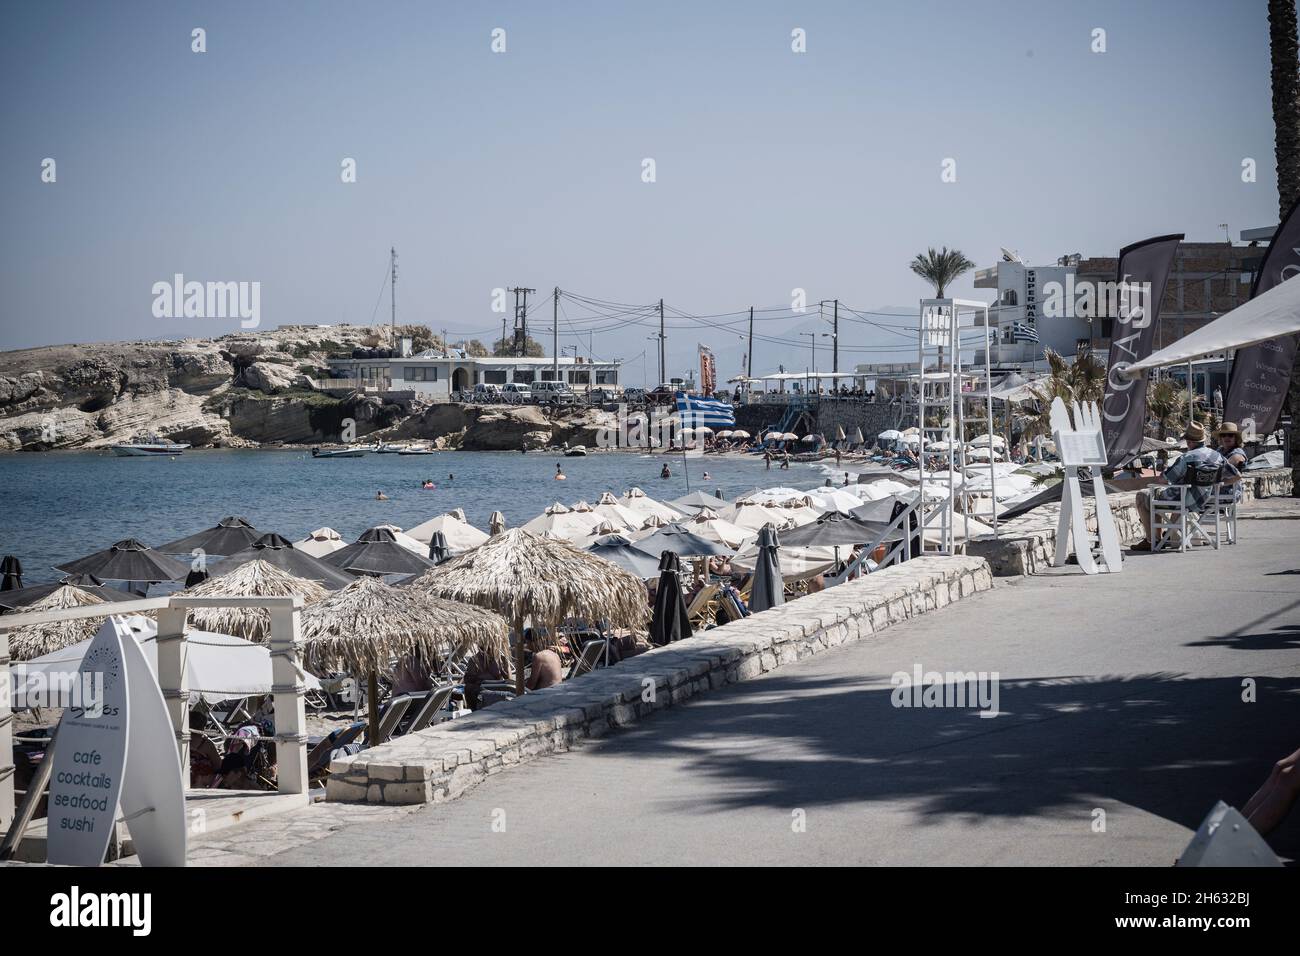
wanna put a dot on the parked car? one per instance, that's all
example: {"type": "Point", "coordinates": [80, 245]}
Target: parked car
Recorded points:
{"type": "Point", "coordinates": [602, 395]}
{"type": "Point", "coordinates": [517, 393]}
{"type": "Point", "coordinates": [554, 393]}
{"type": "Point", "coordinates": [486, 393]}
{"type": "Point", "coordinates": [634, 396]}
{"type": "Point", "coordinates": [664, 394]}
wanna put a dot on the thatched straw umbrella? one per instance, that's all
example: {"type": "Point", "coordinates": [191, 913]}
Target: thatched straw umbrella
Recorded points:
{"type": "Point", "coordinates": [34, 640]}
{"type": "Point", "coordinates": [527, 577]}
{"type": "Point", "coordinates": [254, 579]}
{"type": "Point", "coordinates": [360, 628]}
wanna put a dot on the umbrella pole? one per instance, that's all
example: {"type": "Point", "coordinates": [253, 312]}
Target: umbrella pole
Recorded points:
{"type": "Point", "coordinates": [372, 691]}
{"type": "Point", "coordinates": [519, 658]}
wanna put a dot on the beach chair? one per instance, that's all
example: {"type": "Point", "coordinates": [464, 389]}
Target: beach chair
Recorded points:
{"type": "Point", "coordinates": [393, 712]}
{"type": "Point", "coordinates": [703, 609]}
{"type": "Point", "coordinates": [318, 758]}
{"type": "Point", "coordinates": [593, 652]}
{"type": "Point", "coordinates": [433, 709]}
{"type": "Point", "coordinates": [1175, 524]}
{"type": "Point", "coordinates": [1222, 506]}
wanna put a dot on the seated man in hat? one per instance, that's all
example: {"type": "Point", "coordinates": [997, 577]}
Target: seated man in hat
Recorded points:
{"type": "Point", "coordinates": [1197, 456]}
{"type": "Point", "coordinates": [1229, 437]}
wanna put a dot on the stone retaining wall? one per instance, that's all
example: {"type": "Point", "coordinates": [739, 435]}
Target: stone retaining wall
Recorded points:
{"type": "Point", "coordinates": [443, 762]}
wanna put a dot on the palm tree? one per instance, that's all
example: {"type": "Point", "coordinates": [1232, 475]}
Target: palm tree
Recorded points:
{"type": "Point", "coordinates": [1283, 43]}
{"type": "Point", "coordinates": [1165, 402]}
{"type": "Point", "coordinates": [1083, 380]}
{"type": "Point", "coordinates": [941, 269]}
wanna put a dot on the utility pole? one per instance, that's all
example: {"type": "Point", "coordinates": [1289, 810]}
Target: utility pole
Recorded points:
{"type": "Point", "coordinates": [392, 290]}
{"type": "Point", "coordinates": [444, 343]}
{"type": "Point", "coordinates": [521, 321]}
{"type": "Point", "coordinates": [662, 368]}
{"type": "Point", "coordinates": [835, 342]}
{"type": "Point", "coordinates": [749, 354]}
{"type": "Point", "coordinates": [555, 332]}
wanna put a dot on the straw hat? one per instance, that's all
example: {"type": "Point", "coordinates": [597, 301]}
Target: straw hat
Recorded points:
{"type": "Point", "coordinates": [1228, 428]}
{"type": "Point", "coordinates": [1195, 432]}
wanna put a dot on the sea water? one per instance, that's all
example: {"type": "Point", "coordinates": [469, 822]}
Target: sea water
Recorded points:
{"type": "Point", "coordinates": [59, 506]}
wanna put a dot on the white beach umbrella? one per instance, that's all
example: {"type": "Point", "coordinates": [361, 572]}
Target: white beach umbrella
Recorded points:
{"type": "Point", "coordinates": [752, 515]}
{"type": "Point", "coordinates": [739, 433]}
{"type": "Point", "coordinates": [835, 499]}
{"type": "Point", "coordinates": [557, 521]}
{"type": "Point", "coordinates": [709, 524]}
{"type": "Point", "coordinates": [321, 542]}
{"type": "Point", "coordinates": [406, 541]}
{"type": "Point", "coordinates": [890, 434]}
{"type": "Point", "coordinates": [217, 666]}
{"type": "Point", "coordinates": [638, 501]}
{"type": "Point", "coordinates": [460, 534]}
{"type": "Point", "coordinates": [995, 441]}
{"type": "Point", "coordinates": [623, 517]}
{"type": "Point", "coordinates": [797, 564]}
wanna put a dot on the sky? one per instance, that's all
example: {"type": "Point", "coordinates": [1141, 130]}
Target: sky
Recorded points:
{"type": "Point", "coordinates": [773, 170]}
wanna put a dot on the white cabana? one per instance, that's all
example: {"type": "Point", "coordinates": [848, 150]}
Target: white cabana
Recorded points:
{"type": "Point", "coordinates": [1270, 315]}
{"type": "Point", "coordinates": [321, 542]}
{"type": "Point", "coordinates": [460, 534]}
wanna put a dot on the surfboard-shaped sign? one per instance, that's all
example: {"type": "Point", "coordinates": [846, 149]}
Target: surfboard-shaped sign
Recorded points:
{"type": "Point", "coordinates": [116, 748]}
{"type": "Point", "coordinates": [90, 755]}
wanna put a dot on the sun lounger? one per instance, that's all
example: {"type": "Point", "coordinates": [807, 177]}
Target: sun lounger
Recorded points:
{"type": "Point", "coordinates": [393, 712]}
{"type": "Point", "coordinates": [318, 759]}
{"type": "Point", "coordinates": [433, 709]}
{"type": "Point", "coordinates": [589, 658]}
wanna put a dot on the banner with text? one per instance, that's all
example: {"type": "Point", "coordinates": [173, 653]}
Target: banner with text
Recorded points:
{"type": "Point", "coordinates": [1143, 271]}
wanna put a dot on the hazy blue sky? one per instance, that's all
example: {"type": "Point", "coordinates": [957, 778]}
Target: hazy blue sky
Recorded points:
{"type": "Point", "coordinates": [775, 170]}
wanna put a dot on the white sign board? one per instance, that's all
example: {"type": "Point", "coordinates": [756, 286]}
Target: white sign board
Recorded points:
{"type": "Point", "coordinates": [1082, 445]}
{"type": "Point", "coordinates": [90, 757]}
{"type": "Point", "coordinates": [117, 749]}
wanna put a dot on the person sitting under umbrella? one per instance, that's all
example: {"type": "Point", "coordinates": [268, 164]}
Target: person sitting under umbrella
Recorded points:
{"type": "Point", "coordinates": [546, 670]}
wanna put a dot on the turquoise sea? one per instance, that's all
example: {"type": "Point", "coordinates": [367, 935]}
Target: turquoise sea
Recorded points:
{"type": "Point", "coordinates": [56, 506]}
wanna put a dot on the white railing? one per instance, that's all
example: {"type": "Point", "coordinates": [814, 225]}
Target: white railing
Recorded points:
{"type": "Point", "coordinates": [287, 687]}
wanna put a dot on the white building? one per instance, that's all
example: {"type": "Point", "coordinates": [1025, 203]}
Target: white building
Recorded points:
{"type": "Point", "coordinates": [1035, 297]}
{"type": "Point", "coordinates": [435, 374]}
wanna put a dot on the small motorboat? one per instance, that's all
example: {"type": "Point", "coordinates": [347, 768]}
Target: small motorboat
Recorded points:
{"type": "Point", "coordinates": [319, 452]}
{"type": "Point", "coordinates": [148, 447]}
{"type": "Point", "coordinates": [416, 450]}
{"type": "Point", "coordinates": [387, 449]}
{"type": "Point", "coordinates": [577, 451]}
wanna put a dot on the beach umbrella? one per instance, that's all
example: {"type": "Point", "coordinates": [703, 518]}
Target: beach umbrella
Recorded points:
{"type": "Point", "coordinates": [643, 504]}
{"type": "Point", "coordinates": [438, 549]}
{"type": "Point", "coordinates": [708, 524]}
{"type": "Point", "coordinates": [995, 441]}
{"type": "Point", "coordinates": [858, 438]}
{"type": "Point", "coordinates": [725, 433]}
{"type": "Point", "coordinates": [619, 549]}
{"type": "Point", "coordinates": [405, 540]}
{"type": "Point", "coordinates": [753, 515]}
{"type": "Point", "coordinates": [669, 622]}
{"type": "Point", "coordinates": [540, 581]}
{"type": "Point", "coordinates": [280, 552]}
{"type": "Point", "coordinates": [34, 640]}
{"type": "Point", "coordinates": [620, 514]}
{"type": "Point", "coordinates": [196, 576]}
{"type": "Point", "coordinates": [22, 597]}
{"type": "Point", "coordinates": [831, 530]}
{"type": "Point", "coordinates": [217, 666]}
{"type": "Point", "coordinates": [681, 541]}
{"type": "Point", "coordinates": [363, 626]}
{"type": "Point", "coordinates": [12, 569]}
{"type": "Point", "coordinates": [764, 495]}
{"type": "Point", "coordinates": [229, 536]}
{"type": "Point", "coordinates": [739, 433]}
{"type": "Point", "coordinates": [321, 542]}
{"type": "Point", "coordinates": [252, 579]}
{"type": "Point", "coordinates": [911, 431]}
{"type": "Point", "coordinates": [564, 523]}
{"type": "Point", "coordinates": [768, 590]}
{"type": "Point", "coordinates": [834, 499]}
{"type": "Point", "coordinates": [460, 534]}
{"type": "Point", "coordinates": [377, 552]}
{"type": "Point", "coordinates": [696, 500]}
{"type": "Point", "coordinates": [890, 434]}
{"type": "Point", "coordinates": [839, 433]}
{"type": "Point", "coordinates": [128, 560]}
{"type": "Point", "coordinates": [496, 523]}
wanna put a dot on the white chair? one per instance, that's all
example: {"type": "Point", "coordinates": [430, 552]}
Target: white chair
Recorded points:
{"type": "Point", "coordinates": [1175, 525]}
{"type": "Point", "coordinates": [1223, 504]}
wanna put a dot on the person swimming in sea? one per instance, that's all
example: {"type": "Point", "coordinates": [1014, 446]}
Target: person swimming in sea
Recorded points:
{"type": "Point", "coordinates": [559, 473]}
{"type": "Point", "coordinates": [380, 496]}
{"type": "Point", "coordinates": [665, 472]}
{"type": "Point", "coordinates": [707, 476]}
{"type": "Point", "coordinates": [428, 484]}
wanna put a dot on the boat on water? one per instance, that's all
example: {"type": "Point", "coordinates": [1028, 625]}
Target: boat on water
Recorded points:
{"type": "Point", "coordinates": [149, 446]}
{"type": "Point", "coordinates": [417, 450]}
{"type": "Point", "coordinates": [575, 451]}
{"type": "Point", "coordinates": [387, 449]}
{"type": "Point", "coordinates": [319, 452]}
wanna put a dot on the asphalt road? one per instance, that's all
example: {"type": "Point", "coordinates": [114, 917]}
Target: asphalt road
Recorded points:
{"type": "Point", "coordinates": [1121, 699]}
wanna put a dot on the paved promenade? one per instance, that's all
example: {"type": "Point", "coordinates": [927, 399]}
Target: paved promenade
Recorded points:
{"type": "Point", "coordinates": [1120, 694]}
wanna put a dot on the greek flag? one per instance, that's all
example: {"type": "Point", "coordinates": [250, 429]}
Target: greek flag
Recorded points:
{"type": "Point", "coordinates": [1020, 332]}
{"type": "Point", "coordinates": [695, 411]}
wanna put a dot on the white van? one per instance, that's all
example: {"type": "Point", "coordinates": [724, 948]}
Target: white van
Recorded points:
{"type": "Point", "coordinates": [516, 393]}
